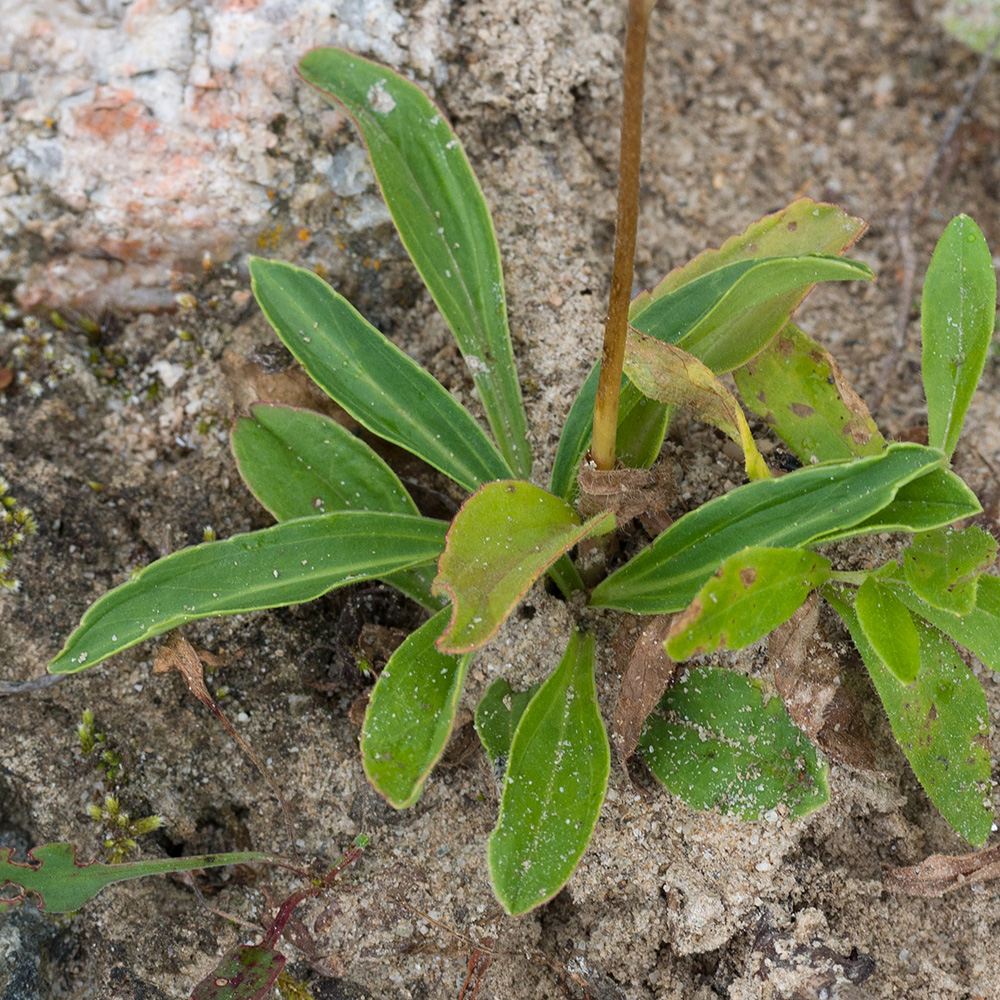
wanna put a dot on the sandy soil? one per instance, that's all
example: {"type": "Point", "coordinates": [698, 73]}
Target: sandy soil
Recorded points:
{"type": "Point", "coordinates": [122, 453]}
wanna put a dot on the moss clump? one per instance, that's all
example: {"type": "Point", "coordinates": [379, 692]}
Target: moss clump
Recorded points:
{"type": "Point", "coordinates": [16, 524]}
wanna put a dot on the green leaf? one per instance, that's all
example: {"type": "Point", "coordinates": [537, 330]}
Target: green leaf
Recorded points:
{"type": "Point", "coordinates": [64, 884]}
{"type": "Point", "coordinates": [299, 463]}
{"type": "Point", "coordinates": [443, 221]}
{"type": "Point", "coordinates": [641, 429]}
{"type": "Point", "coordinates": [722, 337]}
{"type": "Point", "coordinates": [978, 631]}
{"type": "Point", "coordinates": [722, 745]}
{"type": "Point", "coordinates": [411, 713]}
{"type": "Point", "coordinates": [752, 593]}
{"type": "Point", "coordinates": [668, 374]}
{"type": "Point", "coordinates": [934, 500]}
{"type": "Point", "coordinates": [554, 786]}
{"type": "Point", "coordinates": [502, 540]}
{"type": "Point", "coordinates": [973, 22]}
{"type": "Point", "coordinates": [779, 513]}
{"type": "Point", "coordinates": [290, 563]}
{"type": "Point", "coordinates": [940, 721]}
{"type": "Point", "coordinates": [943, 567]}
{"type": "Point", "coordinates": [246, 972]}
{"type": "Point", "coordinates": [804, 227]}
{"type": "Point", "coordinates": [798, 388]}
{"type": "Point", "coordinates": [371, 378]}
{"type": "Point", "coordinates": [497, 715]}
{"type": "Point", "coordinates": [889, 628]}
{"type": "Point", "coordinates": [957, 314]}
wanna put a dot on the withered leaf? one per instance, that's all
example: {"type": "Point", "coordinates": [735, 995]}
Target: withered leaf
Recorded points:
{"type": "Point", "coordinates": [178, 654]}
{"type": "Point", "coordinates": [258, 379]}
{"type": "Point", "coordinates": [807, 676]}
{"type": "Point", "coordinates": [627, 493]}
{"type": "Point", "coordinates": [940, 873]}
{"type": "Point", "coordinates": [647, 672]}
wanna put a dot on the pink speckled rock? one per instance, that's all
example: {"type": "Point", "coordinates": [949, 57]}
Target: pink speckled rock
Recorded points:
{"type": "Point", "coordinates": [145, 141]}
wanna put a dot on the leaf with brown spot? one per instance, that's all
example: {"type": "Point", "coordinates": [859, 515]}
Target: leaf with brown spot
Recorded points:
{"type": "Point", "coordinates": [940, 873]}
{"type": "Point", "coordinates": [753, 592]}
{"type": "Point", "coordinates": [645, 677]}
{"type": "Point", "coordinates": [798, 388]}
{"type": "Point", "coordinates": [178, 654]}
{"type": "Point", "coordinates": [664, 372]}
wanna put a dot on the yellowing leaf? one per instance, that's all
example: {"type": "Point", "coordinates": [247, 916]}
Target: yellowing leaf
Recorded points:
{"type": "Point", "coordinates": [668, 374]}
{"type": "Point", "coordinates": [504, 537]}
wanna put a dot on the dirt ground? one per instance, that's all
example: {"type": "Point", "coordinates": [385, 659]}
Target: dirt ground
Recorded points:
{"type": "Point", "coordinates": [117, 438]}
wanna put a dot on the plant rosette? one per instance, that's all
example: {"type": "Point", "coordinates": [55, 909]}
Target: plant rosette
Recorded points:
{"type": "Point", "coordinates": [731, 570]}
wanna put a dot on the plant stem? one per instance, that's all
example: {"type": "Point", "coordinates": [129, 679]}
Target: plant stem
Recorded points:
{"type": "Point", "coordinates": [609, 383]}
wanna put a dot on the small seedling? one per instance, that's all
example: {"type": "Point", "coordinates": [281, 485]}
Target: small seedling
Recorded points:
{"type": "Point", "coordinates": [16, 524]}
{"type": "Point", "coordinates": [734, 568]}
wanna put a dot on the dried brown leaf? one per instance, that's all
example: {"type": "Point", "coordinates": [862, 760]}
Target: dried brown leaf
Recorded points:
{"type": "Point", "coordinates": [940, 873]}
{"type": "Point", "coordinates": [178, 654]}
{"type": "Point", "coordinates": [647, 672]}
{"type": "Point", "coordinates": [807, 676]}
{"type": "Point", "coordinates": [627, 493]}
{"type": "Point", "coordinates": [261, 378]}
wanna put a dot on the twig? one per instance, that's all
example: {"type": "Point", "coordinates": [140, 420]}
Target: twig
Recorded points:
{"type": "Point", "coordinates": [905, 229]}
{"type": "Point", "coordinates": [38, 684]}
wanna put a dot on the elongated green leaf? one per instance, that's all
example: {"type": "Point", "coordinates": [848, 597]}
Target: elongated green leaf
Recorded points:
{"type": "Point", "coordinates": [943, 567]}
{"type": "Point", "coordinates": [889, 628]}
{"type": "Point", "coordinates": [411, 713]}
{"type": "Point", "coordinates": [641, 429]}
{"type": "Point", "coordinates": [502, 540]}
{"type": "Point", "coordinates": [721, 745]}
{"type": "Point", "coordinates": [939, 720]}
{"type": "Point", "coordinates": [797, 387]}
{"type": "Point", "coordinates": [64, 884]}
{"type": "Point", "coordinates": [670, 375]}
{"type": "Point", "coordinates": [779, 513]}
{"type": "Point", "coordinates": [299, 463]}
{"type": "Point", "coordinates": [722, 337]}
{"type": "Point", "coordinates": [752, 593]}
{"type": "Point", "coordinates": [934, 500]}
{"type": "Point", "coordinates": [957, 313]}
{"type": "Point", "coordinates": [371, 378]}
{"type": "Point", "coordinates": [290, 563]}
{"type": "Point", "coordinates": [554, 786]}
{"type": "Point", "coordinates": [443, 221]}
{"type": "Point", "coordinates": [978, 631]}
{"type": "Point", "coordinates": [803, 227]}
{"type": "Point", "coordinates": [575, 438]}
{"type": "Point", "coordinates": [497, 715]}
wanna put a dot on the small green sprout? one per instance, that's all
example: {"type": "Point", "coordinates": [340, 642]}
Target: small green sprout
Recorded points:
{"type": "Point", "coordinates": [731, 570]}
{"type": "Point", "coordinates": [119, 829]}
{"type": "Point", "coordinates": [16, 523]}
